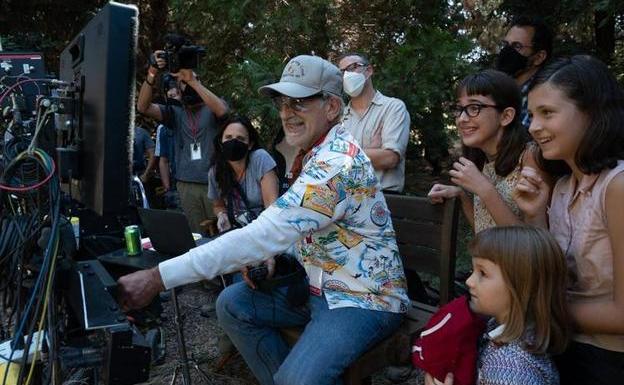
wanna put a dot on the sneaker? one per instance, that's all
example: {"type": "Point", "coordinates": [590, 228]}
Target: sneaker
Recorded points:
{"type": "Point", "coordinates": [213, 285]}
{"type": "Point", "coordinates": [207, 310]}
{"type": "Point", "coordinates": [225, 345]}
{"type": "Point", "coordinates": [398, 374]}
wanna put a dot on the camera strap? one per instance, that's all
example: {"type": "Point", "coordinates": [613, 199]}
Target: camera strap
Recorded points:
{"type": "Point", "coordinates": [230, 205]}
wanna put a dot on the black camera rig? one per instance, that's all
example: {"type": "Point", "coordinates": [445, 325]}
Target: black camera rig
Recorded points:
{"type": "Point", "coordinates": [58, 315]}
{"type": "Point", "coordinates": [180, 53]}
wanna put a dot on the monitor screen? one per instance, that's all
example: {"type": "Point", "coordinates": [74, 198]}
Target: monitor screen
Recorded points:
{"type": "Point", "coordinates": [100, 64]}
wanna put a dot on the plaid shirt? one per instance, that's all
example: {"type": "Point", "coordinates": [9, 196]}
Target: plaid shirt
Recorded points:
{"type": "Point", "coordinates": [511, 364]}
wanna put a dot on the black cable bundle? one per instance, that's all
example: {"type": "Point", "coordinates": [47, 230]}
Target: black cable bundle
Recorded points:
{"type": "Point", "coordinates": [28, 204]}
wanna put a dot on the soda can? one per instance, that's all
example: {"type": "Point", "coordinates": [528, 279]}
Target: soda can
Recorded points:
{"type": "Point", "coordinates": [132, 234]}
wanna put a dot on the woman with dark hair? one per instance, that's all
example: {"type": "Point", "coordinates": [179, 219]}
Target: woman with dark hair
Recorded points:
{"type": "Point", "coordinates": [242, 181]}
{"type": "Point", "coordinates": [494, 146]}
{"type": "Point", "coordinates": [578, 119]}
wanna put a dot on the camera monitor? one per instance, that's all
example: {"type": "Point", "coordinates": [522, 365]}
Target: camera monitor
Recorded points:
{"type": "Point", "coordinates": [19, 66]}
{"type": "Point", "coordinates": [100, 64]}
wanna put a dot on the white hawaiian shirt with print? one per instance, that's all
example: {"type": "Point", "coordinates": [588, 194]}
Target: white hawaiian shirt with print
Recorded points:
{"type": "Point", "coordinates": [335, 218]}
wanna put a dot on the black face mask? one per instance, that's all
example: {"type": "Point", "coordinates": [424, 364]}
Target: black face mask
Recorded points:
{"type": "Point", "coordinates": [190, 96]}
{"type": "Point", "coordinates": [511, 61]}
{"type": "Point", "coordinates": [234, 149]}
{"type": "Point", "coordinates": [174, 102]}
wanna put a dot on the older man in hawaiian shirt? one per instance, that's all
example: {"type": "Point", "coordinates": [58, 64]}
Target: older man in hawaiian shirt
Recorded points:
{"type": "Point", "coordinates": [334, 219]}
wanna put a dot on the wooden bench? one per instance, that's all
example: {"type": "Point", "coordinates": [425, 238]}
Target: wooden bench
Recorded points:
{"type": "Point", "coordinates": [426, 236]}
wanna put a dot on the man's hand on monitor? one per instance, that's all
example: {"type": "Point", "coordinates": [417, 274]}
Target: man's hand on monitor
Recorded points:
{"type": "Point", "coordinates": [137, 290]}
{"type": "Point", "coordinates": [223, 223]}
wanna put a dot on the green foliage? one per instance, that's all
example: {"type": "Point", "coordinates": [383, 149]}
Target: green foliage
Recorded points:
{"type": "Point", "coordinates": [422, 72]}
{"type": "Point", "coordinates": [414, 46]}
{"type": "Point", "coordinates": [418, 48]}
{"type": "Point", "coordinates": [248, 43]}
{"type": "Point", "coordinates": [30, 25]}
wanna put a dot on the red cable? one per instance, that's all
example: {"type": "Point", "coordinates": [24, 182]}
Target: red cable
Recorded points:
{"type": "Point", "coordinates": [8, 91]}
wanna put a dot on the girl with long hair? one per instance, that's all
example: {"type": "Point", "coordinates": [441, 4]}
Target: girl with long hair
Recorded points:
{"type": "Point", "coordinates": [494, 146]}
{"type": "Point", "coordinates": [518, 281]}
{"type": "Point", "coordinates": [578, 120]}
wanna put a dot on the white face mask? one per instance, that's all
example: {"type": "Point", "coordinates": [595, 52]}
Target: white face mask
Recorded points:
{"type": "Point", "coordinates": [353, 83]}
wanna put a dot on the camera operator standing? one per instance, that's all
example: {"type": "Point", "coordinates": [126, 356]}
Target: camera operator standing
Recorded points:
{"type": "Point", "coordinates": [194, 123]}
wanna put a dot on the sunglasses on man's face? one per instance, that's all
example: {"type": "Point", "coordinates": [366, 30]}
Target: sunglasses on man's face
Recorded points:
{"type": "Point", "coordinates": [295, 104]}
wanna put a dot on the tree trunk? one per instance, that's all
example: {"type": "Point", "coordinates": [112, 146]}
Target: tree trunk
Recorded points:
{"type": "Point", "coordinates": [152, 29]}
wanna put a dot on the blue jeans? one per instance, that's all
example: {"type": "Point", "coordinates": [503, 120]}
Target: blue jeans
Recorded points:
{"type": "Point", "coordinates": [331, 341]}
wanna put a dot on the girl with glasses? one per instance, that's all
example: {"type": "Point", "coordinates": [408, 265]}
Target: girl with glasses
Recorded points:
{"type": "Point", "coordinates": [495, 147]}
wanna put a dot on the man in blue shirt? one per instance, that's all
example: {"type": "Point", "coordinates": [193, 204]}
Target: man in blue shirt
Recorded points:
{"type": "Point", "coordinates": [165, 150]}
{"type": "Point", "coordinates": [143, 148]}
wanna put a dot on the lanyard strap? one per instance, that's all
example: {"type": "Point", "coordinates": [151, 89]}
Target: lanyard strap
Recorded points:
{"type": "Point", "coordinates": [193, 123]}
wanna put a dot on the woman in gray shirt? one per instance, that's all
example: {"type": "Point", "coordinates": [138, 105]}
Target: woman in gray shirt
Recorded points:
{"type": "Point", "coordinates": [242, 180]}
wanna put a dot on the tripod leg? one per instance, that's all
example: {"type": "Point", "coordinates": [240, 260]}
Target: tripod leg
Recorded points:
{"type": "Point", "coordinates": [175, 375]}
{"type": "Point", "coordinates": [202, 375]}
{"type": "Point", "coordinates": [186, 375]}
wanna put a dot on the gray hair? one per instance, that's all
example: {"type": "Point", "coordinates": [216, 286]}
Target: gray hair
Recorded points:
{"type": "Point", "coordinates": [328, 95]}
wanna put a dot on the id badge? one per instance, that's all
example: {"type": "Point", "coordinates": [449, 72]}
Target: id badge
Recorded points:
{"type": "Point", "coordinates": [195, 151]}
{"type": "Point", "coordinates": [315, 276]}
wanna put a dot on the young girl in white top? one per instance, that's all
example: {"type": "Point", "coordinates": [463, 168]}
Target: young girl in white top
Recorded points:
{"type": "Point", "coordinates": [578, 118]}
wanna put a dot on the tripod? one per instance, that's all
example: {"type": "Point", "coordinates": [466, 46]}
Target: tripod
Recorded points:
{"type": "Point", "coordinates": [184, 362]}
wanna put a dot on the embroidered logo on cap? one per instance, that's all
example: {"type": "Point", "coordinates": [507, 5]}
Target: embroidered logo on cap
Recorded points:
{"type": "Point", "coordinates": [295, 69]}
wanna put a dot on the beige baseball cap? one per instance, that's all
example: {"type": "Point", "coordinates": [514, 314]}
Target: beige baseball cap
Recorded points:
{"type": "Point", "coordinates": [305, 76]}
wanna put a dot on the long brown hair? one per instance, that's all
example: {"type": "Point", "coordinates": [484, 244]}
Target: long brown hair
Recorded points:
{"type": "Point", "coordinates": [535, 271]}
{"type": "Point", "coordinates": [224, 173]}
{"type": "Point", "coordinates": [591, 86]}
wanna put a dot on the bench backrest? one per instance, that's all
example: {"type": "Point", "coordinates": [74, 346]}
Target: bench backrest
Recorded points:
{"type": "Point", "coordinates": [427, 237]}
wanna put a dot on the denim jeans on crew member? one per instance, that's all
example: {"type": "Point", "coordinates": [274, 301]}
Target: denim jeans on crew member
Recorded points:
{"type": "Point", "coordinates": [332, 339]}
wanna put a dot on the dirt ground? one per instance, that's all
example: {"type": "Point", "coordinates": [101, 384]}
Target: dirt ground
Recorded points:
{"type": "Point", "coordinates": [202, 333]}
{"type": "Point", "coordinates": [201, 336]}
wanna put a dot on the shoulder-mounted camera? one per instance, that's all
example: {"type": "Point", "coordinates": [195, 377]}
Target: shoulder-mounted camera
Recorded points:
{"type": "Point", "coordinates": [180, 53]}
